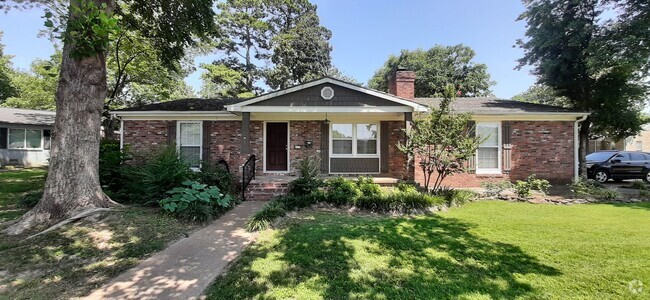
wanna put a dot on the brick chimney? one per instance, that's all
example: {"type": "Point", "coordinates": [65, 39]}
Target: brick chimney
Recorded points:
{"type": "Point", "coordinates": [402, 83]}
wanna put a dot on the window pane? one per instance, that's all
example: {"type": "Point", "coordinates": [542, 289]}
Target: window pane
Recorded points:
{"type": "Point", "coordinates": [16, 138]}
{"type": "Point", "coordinates": [488, 132]}
{"type": "Point", "coordinates": [366, 131]}
{"type": "Point", "coordinates": [639, 145]}
{"type": "Point", "coordinates": [366, 146]}
{"type": "Point", "coordinates": [191, 155]}
{"type": "Point", "coordinates": [637, 156]}
{"type": "Point", "coordinates": [190, 134]}
{"type": "Point", "coordinates": [341, 131]}
{"type": "Point", "coordinates": [47, 139]}
{"type": "Point", "coordinates": [342, 146]}
{"type": "Point", "coordinates": [33, 139]}
{"type": "Point", "coordinates": [488, 158]}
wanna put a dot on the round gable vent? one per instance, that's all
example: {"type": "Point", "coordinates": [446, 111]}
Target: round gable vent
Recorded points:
{"type": "Point", "coordinates": [327, 93]}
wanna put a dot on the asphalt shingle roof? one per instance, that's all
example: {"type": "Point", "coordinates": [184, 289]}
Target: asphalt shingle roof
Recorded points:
{"type": "Point", "coordinates": [488, 105]}
{"type": "Point", "coordinates": [27, 116]}
{"type": "Point", "coordinates": [190, 104]}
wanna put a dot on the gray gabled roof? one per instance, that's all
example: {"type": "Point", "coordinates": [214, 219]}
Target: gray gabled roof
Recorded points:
{"type": "Point", "coordinates": [490, 105]}
{"type": "Point", "coordinates": [27, 116]}
{"type": "Point", "coordinates": [190, 104]}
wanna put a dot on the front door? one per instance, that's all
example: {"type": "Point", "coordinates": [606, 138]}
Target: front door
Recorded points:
{"type": "Point", "coordinates": [276, 147]}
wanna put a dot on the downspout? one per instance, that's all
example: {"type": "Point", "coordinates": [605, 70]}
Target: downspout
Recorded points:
{"type": "Point", "coordinates": [121, 132]}
{"type": "Point", "coordinates": [576, 147]}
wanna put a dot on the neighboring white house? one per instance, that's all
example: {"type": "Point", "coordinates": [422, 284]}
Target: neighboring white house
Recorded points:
{"type": "Point", "coordinates": [25, 136]}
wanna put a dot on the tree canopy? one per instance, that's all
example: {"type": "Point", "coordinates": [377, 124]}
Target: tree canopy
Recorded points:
{"type": "Point", "coordinates": [35, 88]}
{"type": "Point", "coordinates": [542, 94]}
{"type": "Point", "coordinates": [7, 89]}
{"type": "Point", "coordinates": [436, 68]}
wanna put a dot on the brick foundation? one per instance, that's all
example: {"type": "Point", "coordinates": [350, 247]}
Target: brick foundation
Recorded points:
{"type": "Point", "coordinates": [544, 148]}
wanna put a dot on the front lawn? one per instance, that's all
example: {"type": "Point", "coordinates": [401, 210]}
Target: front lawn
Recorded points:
{"type": "Point", "coordinates": [484, 250]}
{"type": "Point", "coordinates": [74, 260]}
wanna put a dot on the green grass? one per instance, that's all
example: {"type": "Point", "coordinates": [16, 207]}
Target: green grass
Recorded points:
{"type": "Point", "coordinates": [13, 187]}
{"type": "Point", "coordinates": [76, 259]}
{"type": "Point", "coordinates": [484, 250]}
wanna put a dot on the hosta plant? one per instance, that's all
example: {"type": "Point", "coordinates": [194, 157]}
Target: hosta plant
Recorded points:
{"type": "Point", "coordinates": [195, 201]}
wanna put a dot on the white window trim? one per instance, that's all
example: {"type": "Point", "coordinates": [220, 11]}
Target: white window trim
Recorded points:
{"type": "Point", "coordinates": [354, 141]}
{"type": "Point", "coordinates": [178, 140]}
{"type": "Point", "coordinates": [264, 170]}
{"type": "Point", "coordinates": [499, 151]}
{"type": "Point", "coordinates": [40, 148]}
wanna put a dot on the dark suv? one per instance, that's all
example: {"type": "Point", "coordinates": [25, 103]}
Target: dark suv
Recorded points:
{"type": "Point", "coordinates": [618, 165]}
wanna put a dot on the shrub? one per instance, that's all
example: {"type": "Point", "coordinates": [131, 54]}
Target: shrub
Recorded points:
{"type": "Point", "coordinates": [524, 188]}
{"type": "Point", "coordinates": [463, 196]}
{"type": "Point", "coordinates": [162, 172]}
{"type": "Point", "coordinates": [341, 191]}
{"type": "Point", "coordinates": [215, 174]}
{"type": "Point", "coordinates": [639, 185]}
{"type": "Point", "coordinates": [308, 180]}
{"type": "Point", "coordinates": [407, 186]}
{"type": "Point", "coordinates": [493, 188]}
{"type": "Point", "coordinates": [591, 188]}
{"type": "Point", "coordinates": [111, 165]}
{"type": "Point", "coordinates": [368, 187]}
{"type": "Point", "coordinates": [262, 219]}
{"type": "Point", "coordinates": [399, 202]}
{"type": "Point", "coordinates": [607, 194]}
{"type": "Point", "coordinates": [196, 201]}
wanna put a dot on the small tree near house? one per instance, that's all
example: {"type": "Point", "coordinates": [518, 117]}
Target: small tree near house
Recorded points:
{"type": "Point", "coordinates": [441, 142]}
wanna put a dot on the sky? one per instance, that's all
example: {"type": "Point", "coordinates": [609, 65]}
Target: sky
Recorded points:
{"type": "Point", "coordinates": [364, 34]}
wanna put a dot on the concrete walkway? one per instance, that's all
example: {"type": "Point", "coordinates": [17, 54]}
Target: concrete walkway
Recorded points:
{"type": "Point", "coordinates": [187, 267]}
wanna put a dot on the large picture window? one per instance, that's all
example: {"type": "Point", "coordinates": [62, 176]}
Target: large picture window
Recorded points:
{"type": "Point", "coordinates": [189, 142]}
{"type": "Point", "coordinates": [488, 153]}
{"type": "Point", "coordinates": [354, 139]}
{"type": "Point", "coordinates": [24, 138]}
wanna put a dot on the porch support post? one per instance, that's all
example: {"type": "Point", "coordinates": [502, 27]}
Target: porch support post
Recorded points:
{"type": "Point", "coordinates": [245, 133]}
{"type": "Point", "coordinates": [408, 117]}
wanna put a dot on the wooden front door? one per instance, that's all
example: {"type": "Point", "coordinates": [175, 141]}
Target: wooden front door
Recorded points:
{"type": "Point", "coordinates": [276, 147]}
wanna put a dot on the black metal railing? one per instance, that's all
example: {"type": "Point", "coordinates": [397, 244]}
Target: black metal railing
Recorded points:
{"type": "Point", "coordinates": [248, 174]}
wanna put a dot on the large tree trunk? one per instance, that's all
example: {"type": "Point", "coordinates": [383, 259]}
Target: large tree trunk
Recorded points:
{"type": "Point", "coordinates": [72, 184]}
{"type": "Point", "coordinates": [584, 146]}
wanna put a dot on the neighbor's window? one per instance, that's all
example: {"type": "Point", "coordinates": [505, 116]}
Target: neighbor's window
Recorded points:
{"type": "Point", "coordinates": [487, 156]}
{"type": "Point", "coordinates": [639, 145]}
{"type": "Point", "coordinates": [189, 142]}
{"type": "Point", "coordinates": [354, 139]}
{"type": "Point", "coordinates": [47, 139]}
{"type": "Point", "coordinates": [24, 138]}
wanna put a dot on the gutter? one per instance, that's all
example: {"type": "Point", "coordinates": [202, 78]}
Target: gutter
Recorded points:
{"type": "Point", "coordinates": [576, 147]}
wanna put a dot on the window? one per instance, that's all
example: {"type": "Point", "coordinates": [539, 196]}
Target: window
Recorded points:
{"type": "Point", "coordinates": [639, 145]}
{"type": "Point", "coordinates": [637, 157]}
{"type": "Point", "coordinates": [24, 138]}
{"type": "Point", "coordinates": [354, 139]}
{"type": "Point", "coordinates": [189, 142]}
{"type": "Point", "coordinates": [47, 139]}
{"type": "Point", "coordinates": [488, 156]}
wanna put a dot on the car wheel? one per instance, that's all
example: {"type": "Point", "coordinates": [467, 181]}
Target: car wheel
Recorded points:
{"type": "Point", "coordinates": [646, 178]}
{"type": "Point", "coordinates": [602, 176]}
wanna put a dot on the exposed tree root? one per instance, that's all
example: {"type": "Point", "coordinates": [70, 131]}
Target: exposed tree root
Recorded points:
{"type": "Point", "coordinates": [81, 215]}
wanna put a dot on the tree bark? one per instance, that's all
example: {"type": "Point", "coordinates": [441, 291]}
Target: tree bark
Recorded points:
{"type": "Point", "coordinates": [72, 184]}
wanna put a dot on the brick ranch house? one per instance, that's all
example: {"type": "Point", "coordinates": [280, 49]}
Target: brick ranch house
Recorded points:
{"type": "Point", "coordinates": [354, 130]}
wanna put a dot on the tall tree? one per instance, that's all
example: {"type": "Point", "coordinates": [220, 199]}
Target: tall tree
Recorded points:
{"type": "Point", "coordinates": [36, 88]}
{"type": "Point", "coordinates": [245, 36]}
{"type": "Point", "coordinates": [72, 185]}
{"type": "Point", "coordinates": [598, 64]}
{"type": "Point", "coordinates": [300, 45]}
{"type": "Point", "coordinates": [6, 87]}
{"type": "Point", "coordinates": [435, 69]}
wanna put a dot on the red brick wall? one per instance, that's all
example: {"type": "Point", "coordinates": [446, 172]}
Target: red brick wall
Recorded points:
{"type": "Point", "coordinates": [225, 143]}
{"type": "Point", "coordinates": [397, 160]}
{"type": "Point", "coordinates": [544, 148]}
{"type": "Point", "coordinates": [144, 136]}
{"type": "Point", "coordinates": [299, 132]}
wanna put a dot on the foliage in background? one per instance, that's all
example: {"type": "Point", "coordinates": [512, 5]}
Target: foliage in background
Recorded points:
{"type": "Point", "coordinates": [595, 54]}
{"type": "Point", "coordinates": [111, 165]}
{"type": "Point", "coordinates": [196, 201]}
{"type": "Point", "coordinates": [542, 94]}
{"type": "Point", "coordinates": [442, 142]}
{"type": "Point", "coordinates": [35, 88]}
{"type": "Point", "coordinates": [7, 89]}
{"type": "Point", "coordinates": [435, 69]}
